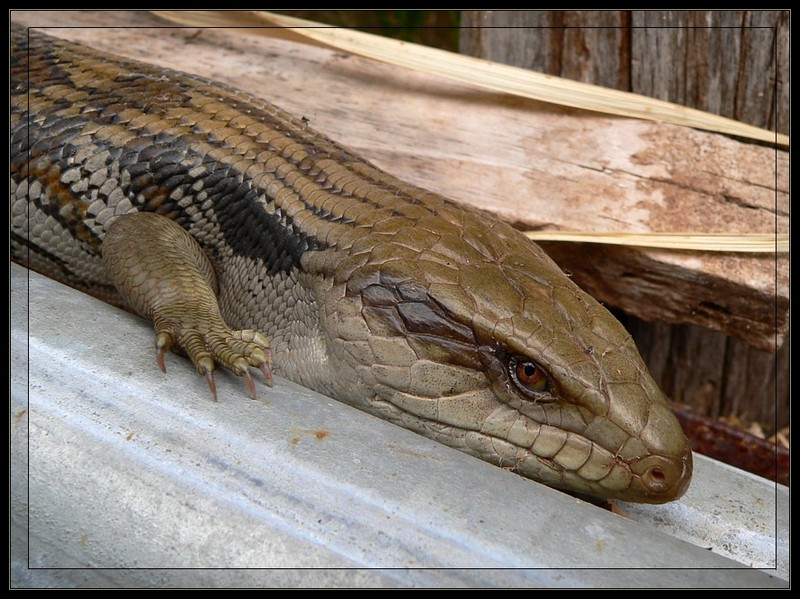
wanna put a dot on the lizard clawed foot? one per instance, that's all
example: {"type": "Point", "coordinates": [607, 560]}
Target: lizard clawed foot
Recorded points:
{"type": "Point", "coordinates": [236, 351]}
{"type": "Point", "coordinates": [165, 276]}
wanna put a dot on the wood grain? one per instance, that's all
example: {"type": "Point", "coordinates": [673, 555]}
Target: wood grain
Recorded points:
{"type": "Point", "coordinates": [733, 63]}
{"type": "Point", "coordinates": [533, 164]}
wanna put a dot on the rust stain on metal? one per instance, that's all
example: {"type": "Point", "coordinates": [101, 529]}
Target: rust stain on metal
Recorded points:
{"type": "Point", "coordinates": [319, 434]}
{"type": "Point", "coordinates": [738, 448]}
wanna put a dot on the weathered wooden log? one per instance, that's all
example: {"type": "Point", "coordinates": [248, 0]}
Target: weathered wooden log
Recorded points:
{"type": "Point", "coordinates": [534, 164]}
{"type": "Point", "coordinates": [732, 63]}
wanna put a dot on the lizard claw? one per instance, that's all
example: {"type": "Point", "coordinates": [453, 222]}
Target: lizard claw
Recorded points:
{"type": "Point", "coordinates": [164, 342]}
{"type": "Point", "coordinates": [251, 386]}
{"type": "Point", "coordinates": [160, 361]}
{"type": "Point", "coordinates": [267, 372]}
{"type": "Point", "coordinates": [212, 385]}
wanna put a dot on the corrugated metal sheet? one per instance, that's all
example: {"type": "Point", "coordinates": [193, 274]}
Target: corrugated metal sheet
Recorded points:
{"type": "Point", "coordinates": [122, 476]}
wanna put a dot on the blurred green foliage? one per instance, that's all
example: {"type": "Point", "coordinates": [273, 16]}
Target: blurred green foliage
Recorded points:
{"type": "Point", "coordinates": [437, 28]}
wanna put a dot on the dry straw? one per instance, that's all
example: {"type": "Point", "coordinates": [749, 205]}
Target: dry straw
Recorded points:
{"type": "Point", "coordinates": [520, 82]}
{"type": "Point", "coordinates": [709, 242]}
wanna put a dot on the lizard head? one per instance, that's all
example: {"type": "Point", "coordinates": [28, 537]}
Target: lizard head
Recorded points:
{"type": "Point", "coordinates": [473, 336]}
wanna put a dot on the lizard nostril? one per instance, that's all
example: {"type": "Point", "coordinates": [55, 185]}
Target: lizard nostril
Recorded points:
{"type": "Point", "coordinates": [657, 479]}
{"type": "Point", "coordinates": [663, 478]}
{"type": "Point", "coordinates": [657, 474]}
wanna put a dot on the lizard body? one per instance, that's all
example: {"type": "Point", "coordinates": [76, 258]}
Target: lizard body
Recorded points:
{"type": "Point", "coordinates": [432, 315]}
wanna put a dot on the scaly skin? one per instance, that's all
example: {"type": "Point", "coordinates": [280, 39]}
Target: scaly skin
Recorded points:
{"type": "Point", "coordinates": [432, 315]}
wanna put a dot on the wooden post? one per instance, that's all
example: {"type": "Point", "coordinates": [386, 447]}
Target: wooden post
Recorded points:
{"type": "Point", "coordinates": [733, 63]}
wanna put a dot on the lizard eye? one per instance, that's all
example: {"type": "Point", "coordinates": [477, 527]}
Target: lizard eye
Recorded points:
{"type": "Point", "coordinates": [529, 378]}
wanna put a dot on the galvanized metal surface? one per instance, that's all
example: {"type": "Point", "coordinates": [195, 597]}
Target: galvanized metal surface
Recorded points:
{"type": "Point", "coordinates": [120, 475]}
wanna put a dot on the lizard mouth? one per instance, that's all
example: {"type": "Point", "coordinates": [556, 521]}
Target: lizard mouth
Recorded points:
{"type": "Point", "coordinates": [570, 461]}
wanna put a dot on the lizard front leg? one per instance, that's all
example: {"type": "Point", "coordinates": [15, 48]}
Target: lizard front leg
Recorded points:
{"type": "Point", "coordinates": [163, 274]}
